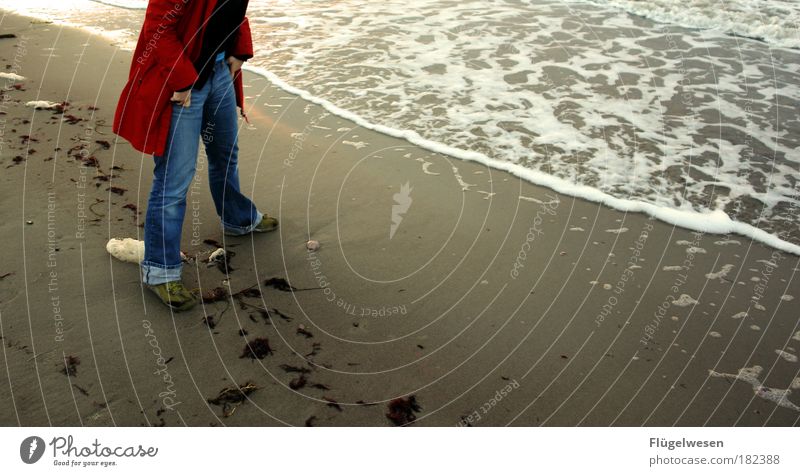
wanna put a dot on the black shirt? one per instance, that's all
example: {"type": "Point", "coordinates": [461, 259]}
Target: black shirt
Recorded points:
{"type": "Point", "coordinates": [220, 32]}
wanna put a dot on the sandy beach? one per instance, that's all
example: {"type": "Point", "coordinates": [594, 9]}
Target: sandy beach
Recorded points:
{"type": "Point", "coordinates": [444, 293]}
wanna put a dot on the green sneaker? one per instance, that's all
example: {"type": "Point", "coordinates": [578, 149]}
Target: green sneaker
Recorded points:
{"type": "Point", "coordinates": [175, 295]}
{"type": "Point", "coordinates": [266, 224]}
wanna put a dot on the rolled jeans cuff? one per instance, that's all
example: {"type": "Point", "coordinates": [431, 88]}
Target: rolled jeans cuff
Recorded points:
{"type": "Point", "coordinates": [155, 273]}
{"type": "Point", "coordinates": [242, 230]}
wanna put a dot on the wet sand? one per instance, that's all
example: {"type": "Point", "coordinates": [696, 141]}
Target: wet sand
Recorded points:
{"type": "Point", "coordinates": [491, 301]}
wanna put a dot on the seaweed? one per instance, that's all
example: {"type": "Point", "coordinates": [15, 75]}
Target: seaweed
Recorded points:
{"type": "Point", "coordinates": [310, 420]}
{"type": "Point", "coordinates": [250, 292]}
{"type": "Point", "coordinates": [224, 264]}
{"type": "Point", "coordinates": [81, 389]}
{"type": "Point", "coordinates": [214, 295]}
{"type": "Point", "coordinates": [92, 162]}
{"type": "Point", "coordinates": [301, 330]}
{"type": "Point", "coordinates": [332, 403]}
{"type": "Point", "coordinates": [298, 382]}
{"type": "Point", "coordinates": [213, 243]}
{"type": "Point", "coordinates": [402, 411]}
{"type": "Point", "coordinates": [230, 398]}
{"type": "Point", "coordinates": [292, 369]}
{"type": "Point", "coordinates": [280, 314]}
{"type": "Point", "coordinates": [257, 348]}
{"type": "Point", "coordinates": [209, 321]}
{"type": "Point", "coordinates": [71, 363]}
{"type": "Point", "coordinates": [280, 284]}
{"type": "Point", "coordinates": [315, 348]}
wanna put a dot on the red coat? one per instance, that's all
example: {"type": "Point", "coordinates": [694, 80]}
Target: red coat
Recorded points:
{"type": "Point", "coordinates": [168, 44]}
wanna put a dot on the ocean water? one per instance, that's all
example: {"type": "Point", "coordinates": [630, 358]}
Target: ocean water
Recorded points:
{"type": "Point", "coordinates": [688, 110]}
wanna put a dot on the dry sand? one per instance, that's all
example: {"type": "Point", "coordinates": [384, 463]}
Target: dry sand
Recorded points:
{"type": "Point", "coordinates": [494, 302]}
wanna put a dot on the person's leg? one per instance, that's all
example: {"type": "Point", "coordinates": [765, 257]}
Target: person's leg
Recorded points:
{"type": "Point", "coordinates": [172, 175]}
{"type": "Point", "coordinates": [220, 135]}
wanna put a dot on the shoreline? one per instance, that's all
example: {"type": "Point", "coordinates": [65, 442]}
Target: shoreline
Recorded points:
{"type": "Point", "coordinates": [715, 222]}
{"type": "Point", "coordinates": [579, 305]}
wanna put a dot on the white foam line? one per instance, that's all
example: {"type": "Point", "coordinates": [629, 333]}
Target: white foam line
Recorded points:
{"type": "Point", "coordinates": [716, 222]}
{"type": "Point", "coordinates": [127, 6]}
{"type": "Point", "coordinates": [536, 200]}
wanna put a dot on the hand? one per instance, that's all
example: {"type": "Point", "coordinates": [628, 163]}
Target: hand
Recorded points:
{"type": "Point", "coordinates": [183, 98]}
{"type": "Point", "coordinates": [234, 64]}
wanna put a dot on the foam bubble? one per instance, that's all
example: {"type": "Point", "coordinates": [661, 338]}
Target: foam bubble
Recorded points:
{"type": "Point", "coordinates": [751, 376]}
{"type": "Point", "coordinates": [684, 300]}
{"type": "Point", "coordinates": [786, 355]}
{"type": "Point", "coordinates": [774, 21]}
{"type": "Point", "coordinates": [721, 273]}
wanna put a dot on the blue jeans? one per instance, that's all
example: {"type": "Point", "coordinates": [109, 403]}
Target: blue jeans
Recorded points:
{"type": "Point", "coordinates": [212, 116]}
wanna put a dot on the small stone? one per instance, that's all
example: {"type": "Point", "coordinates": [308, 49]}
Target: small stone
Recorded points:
{"type": "Point", "coordinates": [312, 245]}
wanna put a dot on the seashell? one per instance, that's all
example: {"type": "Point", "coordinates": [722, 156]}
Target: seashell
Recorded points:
{"type": "Point", "coordinates": [216, 255]}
